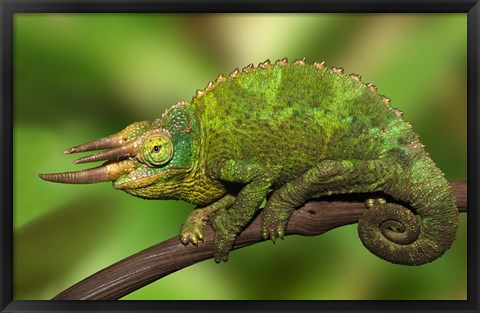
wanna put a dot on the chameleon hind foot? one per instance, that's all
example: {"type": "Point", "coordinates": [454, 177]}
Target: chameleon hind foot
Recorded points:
{"type": "Point", "coordinates": [275, 219]}
{"type": "Point", "coordinates": [273, 230]}
{"type": "Point", "coordinates": [372, 202]}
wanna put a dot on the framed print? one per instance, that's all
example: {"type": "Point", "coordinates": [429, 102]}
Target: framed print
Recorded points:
{"type": "Point", "coordinates": [74, 72]}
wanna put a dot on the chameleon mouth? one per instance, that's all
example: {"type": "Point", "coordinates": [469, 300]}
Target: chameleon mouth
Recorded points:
{"type": "Point", "coordinates": [139, 178]}
{"type": "Point", "coordinates": [117, 157]}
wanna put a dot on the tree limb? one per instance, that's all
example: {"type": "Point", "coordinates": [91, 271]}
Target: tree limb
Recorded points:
{"type": "Point", "coordinates": [144, 267]}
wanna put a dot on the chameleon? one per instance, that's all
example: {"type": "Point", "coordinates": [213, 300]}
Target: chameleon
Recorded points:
{"type": "Point", "coordinates": [284, 133]}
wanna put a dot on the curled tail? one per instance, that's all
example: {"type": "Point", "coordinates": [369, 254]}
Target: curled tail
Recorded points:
{"type": "Point", "coordinates": [394, 233]}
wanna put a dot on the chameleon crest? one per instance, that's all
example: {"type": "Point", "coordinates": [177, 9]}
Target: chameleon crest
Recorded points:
{"type": "Point", "coordinates": [293, 131]}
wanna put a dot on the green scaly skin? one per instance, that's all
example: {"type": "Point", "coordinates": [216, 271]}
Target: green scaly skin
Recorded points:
{"type": "Point", "coordinates": [302, 131]}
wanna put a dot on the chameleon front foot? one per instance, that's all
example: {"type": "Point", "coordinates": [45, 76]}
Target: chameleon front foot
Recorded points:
{"type": "Point", "coordinates": [191, 230]}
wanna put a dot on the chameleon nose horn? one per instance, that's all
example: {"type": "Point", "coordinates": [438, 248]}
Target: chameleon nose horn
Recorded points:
{"type": "Point", "coordinates": [113, 154]}
{"type": "Point", "coordinates": [107, 142]}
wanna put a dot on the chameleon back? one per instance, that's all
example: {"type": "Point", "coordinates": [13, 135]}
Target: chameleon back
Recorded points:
{"type": "Point", "coordinates": [292, 116]}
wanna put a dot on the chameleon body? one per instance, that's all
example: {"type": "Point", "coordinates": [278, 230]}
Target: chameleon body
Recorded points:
{"type": "Point", "coordinates": [292, 131]}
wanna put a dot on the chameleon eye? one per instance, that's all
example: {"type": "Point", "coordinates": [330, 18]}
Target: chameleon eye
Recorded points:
{"type": "Point", "coordinates": [157, 150]}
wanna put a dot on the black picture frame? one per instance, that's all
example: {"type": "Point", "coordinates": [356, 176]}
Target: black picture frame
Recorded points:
{"type": "Point", "coordinates": [9, 7]}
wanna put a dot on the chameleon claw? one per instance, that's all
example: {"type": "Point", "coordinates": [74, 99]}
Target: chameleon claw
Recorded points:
{"type": "Point", "coordinates": [219, 255]}
{"type": "Point", "coordinates": [184, 240]}
{"type": "Point", "coordinates": [370, 203]}
{"type": "Point", "coordinates": [273, 239]}
{"type": "Point", "coordinates": [281, 234]}
{"type": "Point", "coordinates": [264, 235]}
{"type": "Point", "coordinates": [219, 259]}
{"type": "Point", "coordinates": [191, 237]}
{"type": "Point", "coordinates": [194, 240]}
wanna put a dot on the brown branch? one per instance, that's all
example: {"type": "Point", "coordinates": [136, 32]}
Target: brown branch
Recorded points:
{"type": "Point", "coordinates": [144, 267]}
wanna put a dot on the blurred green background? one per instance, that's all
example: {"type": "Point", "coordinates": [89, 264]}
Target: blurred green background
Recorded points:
{"type": "Point", "coordinates": [78, 77]}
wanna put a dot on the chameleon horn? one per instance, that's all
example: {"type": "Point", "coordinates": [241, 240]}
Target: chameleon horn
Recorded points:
{"type": "Point", "coordinates": [114, 154]}
{"type": "Point", "coordinates": [107, 142]}
{"type": "Point", "coordinates": [103, 173]}
{"type": "Point", "coordinates": [94, 175]}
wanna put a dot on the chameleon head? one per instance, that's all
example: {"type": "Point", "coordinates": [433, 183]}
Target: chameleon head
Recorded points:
{"type": "Point", "coordinates": [142, 154]}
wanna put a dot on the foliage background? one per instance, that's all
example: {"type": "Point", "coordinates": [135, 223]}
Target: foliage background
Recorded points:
{"type": "Point", "coordinates": [78, 77]}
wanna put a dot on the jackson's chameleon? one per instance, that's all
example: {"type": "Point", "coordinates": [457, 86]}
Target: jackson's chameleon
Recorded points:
{"type": "Point", "coordinates": [293, 131]}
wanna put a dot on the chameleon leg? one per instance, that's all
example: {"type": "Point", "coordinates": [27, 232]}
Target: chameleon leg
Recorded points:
{"type": "Point", "coordinates": [191, 230]}
{"type": "Point", "coordinates": [326, 178]}
{"type": "Point", "coordinates": [229, 223]}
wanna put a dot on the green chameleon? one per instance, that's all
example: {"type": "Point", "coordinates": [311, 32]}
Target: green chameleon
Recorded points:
{"type": "Point", "coordinates": [285, 132]}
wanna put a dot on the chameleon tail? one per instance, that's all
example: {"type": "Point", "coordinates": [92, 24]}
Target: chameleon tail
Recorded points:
{"type": "Point", "coordinates": [393, 232]}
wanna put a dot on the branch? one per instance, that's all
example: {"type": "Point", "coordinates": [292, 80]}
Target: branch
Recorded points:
{"type": "Point", "coordinates": [145, 267]}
